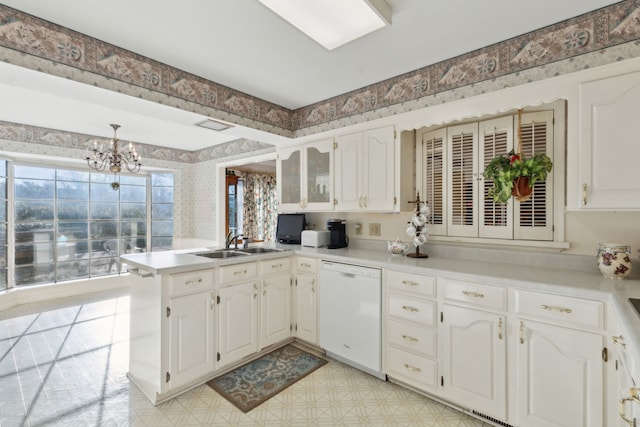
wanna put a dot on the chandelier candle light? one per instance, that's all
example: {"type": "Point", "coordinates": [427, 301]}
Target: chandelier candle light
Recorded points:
{"type": "Point", "coordinates": [113, 158]}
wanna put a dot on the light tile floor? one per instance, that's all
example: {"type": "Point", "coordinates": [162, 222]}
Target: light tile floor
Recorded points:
{"type": "Point", "coordinates": [64, 363]}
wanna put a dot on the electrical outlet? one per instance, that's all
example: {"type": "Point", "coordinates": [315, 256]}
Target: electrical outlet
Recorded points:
{"type": "Point", "coordinates": [374, 229]}
{"type": "Point", "coordinates": [358, 228]}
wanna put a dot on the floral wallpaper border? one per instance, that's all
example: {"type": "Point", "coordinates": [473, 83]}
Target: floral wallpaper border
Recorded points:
{"type": "Point", "coordinates": [36, 39]}
{"type": "Point", "coordinates": [57, 138]}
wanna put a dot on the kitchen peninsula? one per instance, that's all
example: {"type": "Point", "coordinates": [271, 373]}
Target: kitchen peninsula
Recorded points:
{"type": "Point", "coordinates": [456, 326]}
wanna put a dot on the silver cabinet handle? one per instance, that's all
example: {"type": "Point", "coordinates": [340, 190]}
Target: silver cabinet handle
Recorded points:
{"type": "Point", "coordinates": [409, 308]}
{"type": "Point", "coordinates": [556, 308]}
{"type": "Point", "coordinates": [584, 194]}
{"type": "Point", "coordinates": [412, 368]}
{"type": "Point", "coordinates": [305, 265]}
{"type": "Point", "coordinates": [619, 340]}
{"type": "Point", "coordinates": [194, 281]}
{"type": "Point", "coordinates": [276, 266]}
{"type": "Point", "coordinates": [239, 272]}
{"type": "Point", "coordinates": [410, 283]}
{"type": "Point", "coordinates": [264, 287]}
{"type": "Point", "coordinates": [521, 332]}
{"type": "Point", "coordinates": [255, 291]}
{"type": "Point", "coordinates": [410, 338]}
{"type": "Point", "coordinates": [500, 328]}
{"type": "Point", "coordinates": [472, 294]}
{"type": "Point", "coordinates": [313, 285]}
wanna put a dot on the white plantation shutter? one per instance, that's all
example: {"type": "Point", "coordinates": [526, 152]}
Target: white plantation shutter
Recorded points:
{"type": "Point", "coordinates": [496, 139]}
{"type": "Point", "coordinates": [433, 190]}
{"type": "Point", "coordinates": [534, 218]}
{"type": "Point", "coordinates": [462, 183]}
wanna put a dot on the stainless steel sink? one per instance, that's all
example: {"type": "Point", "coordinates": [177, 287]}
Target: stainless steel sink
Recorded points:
{"type": "Point", "coordinates": [221, 254]}
{"type": "Point", "coordinates": [260, 250]}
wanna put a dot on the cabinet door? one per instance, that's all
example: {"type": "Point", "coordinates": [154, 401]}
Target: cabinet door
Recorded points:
{"type": "Point", "coordinates": [348, 164]}
{"type": "Point", "coordinates": [559, 375]}
{"type": "Point", "coordinates": [238, 322]}
{"type": "Point", "coordinates": [377, 177]}
{"type": "Point", "coordinates": [609, 177]}
{"type": "Point", "coordinates": [462, 171]}
{"type": "Point", "coordinates": [318, 171]}
{"type": "Point", "coordinates": [275, 304]}
{"type": "Point", "coordinates": [306, 308]}
{"type": "Point", "coordinates": [289, 182]}
{"type": "Point", "coordinates": [474, 360]}
{"type": "Point", "coordinates": [191, 338]}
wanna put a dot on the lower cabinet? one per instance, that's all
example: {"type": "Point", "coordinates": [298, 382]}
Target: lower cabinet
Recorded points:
{"type": "Point", "coordinates": [474, 362]}
{"type": "Point", "coordinates": [306, 323]}
{"type": "Point", "coordinates": [275, 305]}
{"type": "Point", "coordinates": [238, 322]}
{"type": "Point", "coordinates": [559, 372]}
{"type": "Point", "coordinates": [191, 338]}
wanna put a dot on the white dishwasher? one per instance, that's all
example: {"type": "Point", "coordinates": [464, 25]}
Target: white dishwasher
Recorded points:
{"type": "Point", "coordinates": [350, 315]}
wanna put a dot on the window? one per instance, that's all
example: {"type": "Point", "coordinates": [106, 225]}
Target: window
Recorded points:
{"type": "Point", "coordinates": [3, 224]}
{"type": "Point", "coordinates": [450, 165]}
{"type": "Point", "coordinates": [70, 224]}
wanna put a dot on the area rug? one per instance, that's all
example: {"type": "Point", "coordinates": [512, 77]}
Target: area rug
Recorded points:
{"type": "Point", "coordinates": [254, 383]}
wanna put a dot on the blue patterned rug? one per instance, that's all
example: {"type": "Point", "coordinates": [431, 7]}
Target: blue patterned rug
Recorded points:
{"type": "Point", "coordinates": [257, 381]}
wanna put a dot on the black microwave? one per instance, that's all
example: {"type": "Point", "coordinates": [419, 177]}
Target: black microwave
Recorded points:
{"type": "Point", "coordinates": [289, 228]}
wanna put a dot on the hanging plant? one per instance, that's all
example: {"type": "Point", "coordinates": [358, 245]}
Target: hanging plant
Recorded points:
{"type": "Point", "coordinates": [515, 175]}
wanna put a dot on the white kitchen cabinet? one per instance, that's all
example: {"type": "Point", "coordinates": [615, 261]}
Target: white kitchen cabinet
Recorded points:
{"type": "Point", "coordinates": [306, 297]}
{"type": "Point", "coordinates": [172, 331]}
{"type": "Point", "coordinates": [559, 360]}
{"type": "Point", "coordinates": [238, 324]}
{"type": "Point", "coordinates": [365, 171]}
{"type": "Point", "coordinates": [191, 337]}
{"type": "Point", "coordinates": [410, 324]}
{"type": "Point", "coordinates": [238, 321]}
{"type": "Point", "coordinates": [305, 177]}
{"type": "Point", "coordinates": [608, 176]}
{"type": "Point", "coordinates": [473, 340]}
{"type": "Point", "coordinates": [559, 375]}
{"type": "Point", "coordinates": [275, 301]}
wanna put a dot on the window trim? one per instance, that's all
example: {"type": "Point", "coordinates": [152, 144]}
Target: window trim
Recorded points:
{"type": "Point", "coordinates": [558, 177]}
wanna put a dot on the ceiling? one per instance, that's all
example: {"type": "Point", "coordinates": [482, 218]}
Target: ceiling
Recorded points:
{"type": "Point", "coordinates": [243, 45]}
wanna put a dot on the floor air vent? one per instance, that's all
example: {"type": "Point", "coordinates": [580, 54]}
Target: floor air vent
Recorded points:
{"type": "Point", "coordinates": [493, 420]}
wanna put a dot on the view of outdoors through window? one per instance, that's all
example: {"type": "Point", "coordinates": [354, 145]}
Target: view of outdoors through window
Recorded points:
{"type": "Point", "coordinates": [70, 224]}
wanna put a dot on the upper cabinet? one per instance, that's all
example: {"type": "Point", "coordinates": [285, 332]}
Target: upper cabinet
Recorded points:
{"type": "Point", "coordinates": [608, 176]}
{"type": "Point", "coordinates": [305, 177]}
{"type": "Point", "coordinates": [365, 171]}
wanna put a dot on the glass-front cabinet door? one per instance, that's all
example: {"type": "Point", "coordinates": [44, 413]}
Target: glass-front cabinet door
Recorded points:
{"type": "Point", "coordinates": [305, 177]}
{"type": "Point", "coordinates": [289, 179]}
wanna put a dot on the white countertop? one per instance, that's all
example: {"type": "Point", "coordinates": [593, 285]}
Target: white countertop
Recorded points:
{"type": "Point", "coordinates": [584, 284]}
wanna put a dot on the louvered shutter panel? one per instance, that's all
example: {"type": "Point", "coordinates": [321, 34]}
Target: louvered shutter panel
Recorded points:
{"type": "Point", "coordinates": [534, 218]}
{"type": "Point", "coordinates": [496, 139]}
{"type": "Point", "coordinates": [462, 180]}
{"type": "Point", "coordinates": [433, 188]}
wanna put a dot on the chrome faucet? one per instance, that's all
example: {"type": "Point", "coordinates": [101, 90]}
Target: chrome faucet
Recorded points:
{"type": "Point", "coordinates": [232, 239]}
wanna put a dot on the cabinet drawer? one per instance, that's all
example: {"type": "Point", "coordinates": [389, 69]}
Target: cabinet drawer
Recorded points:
{"type": "Point", "coordinates": [414, 370]}
{"type": "Point", "coordinates": [274, 266]}
{"type": "Point", "coordinates": [412, 309]}
{"type": "Point", "coordinates": [237, 273]}
{"type": "Point", "coordinates": [561, 309]}
{"type": "Point", "coordinates": [423, 285]}
{"type": "Point", "coordinates": [476, 294]}
{"type": "Point", "coordinates": [193, 281]}
{"type": "Point", "coordinates": [412, 337]}
{"type": "Point", "coordinates": [308, 265]}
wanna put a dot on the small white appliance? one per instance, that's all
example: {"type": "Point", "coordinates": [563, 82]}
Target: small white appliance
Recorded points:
{"type": "Point", "coordinates": [315, 238]}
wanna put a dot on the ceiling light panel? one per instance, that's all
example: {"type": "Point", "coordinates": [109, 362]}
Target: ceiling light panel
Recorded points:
{"type": "Point", "coordinates": [333, 23]}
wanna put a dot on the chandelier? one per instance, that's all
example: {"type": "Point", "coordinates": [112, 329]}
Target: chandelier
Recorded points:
{"type": "Point", "coordinates": [114, 159]}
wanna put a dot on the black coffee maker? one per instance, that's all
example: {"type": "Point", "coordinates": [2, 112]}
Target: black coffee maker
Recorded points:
{"type": "Point", "coordinates": [337, 234]}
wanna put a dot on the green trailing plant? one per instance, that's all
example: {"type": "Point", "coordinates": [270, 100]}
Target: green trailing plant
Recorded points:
{"type": "Point", "coordinates": [505, 170]}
